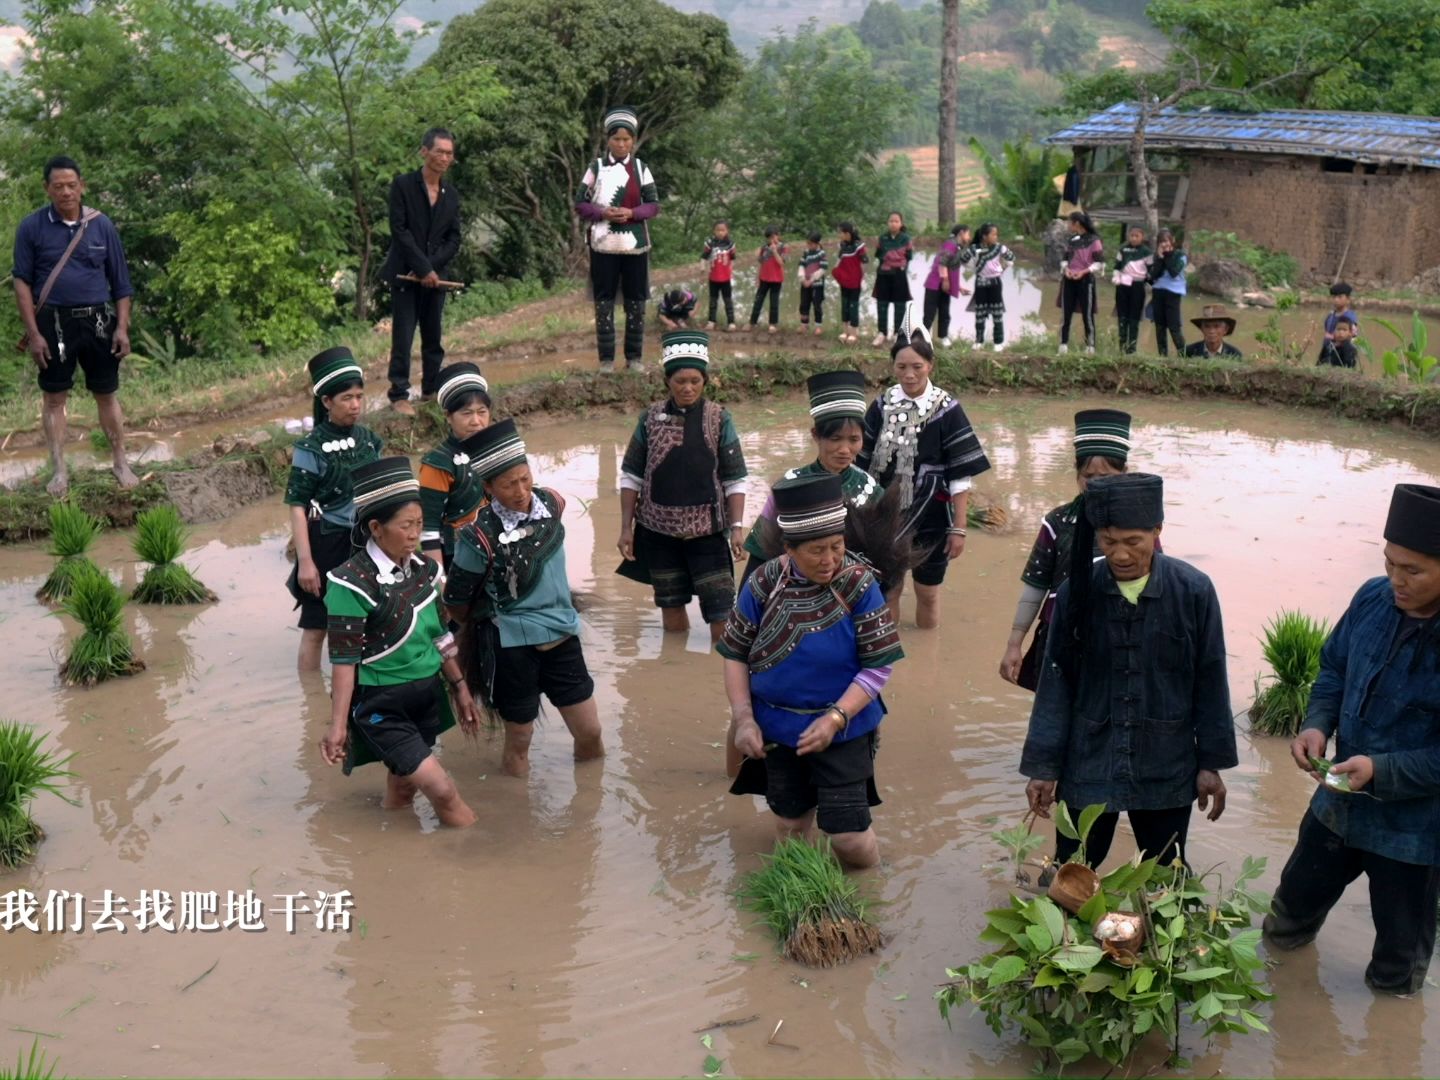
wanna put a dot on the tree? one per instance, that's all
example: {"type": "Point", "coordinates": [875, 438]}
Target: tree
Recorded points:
{"type": "Point", "coordinates": [116, 85]}
{"type": "Point", "coordinates": [949, 91]}
{"type": "Point", "coordinates": [329, 76]}
{"type": "Point", "coordinates": [563, 64]}
{"type": "Point", "coordinates": [804, 174]}
{"type": "Point", "coordinates": [1022, 189]}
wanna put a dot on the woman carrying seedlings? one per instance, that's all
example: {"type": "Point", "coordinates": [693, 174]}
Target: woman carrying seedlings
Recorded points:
{"type": "Point", "coordinates": [682, 493]}
{"type": "Point", "coordinates": [322, 506]}
{"type": "Point", "coordinates": [1376, 696]}
{"type": "Point", "coordinates": [450, 492]}
{"type": "Point", "coordinates": [617, 198]}
{"type": "Point", "coordinates": [389, 649]}
{"type": "Point", "coordinates": [808, 648]}
{"type": "Point", "coordinates": [508, 585]}
{"type": "Point", "coordinates": [1102, 448]}
{"type": "Point", "coordinates": [1133, 707]}
{"type": "Point", "coordinates": [919, 440]}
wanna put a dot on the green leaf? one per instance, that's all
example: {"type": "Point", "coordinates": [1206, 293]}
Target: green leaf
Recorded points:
{"type": "Point", "coordinates": [1094, 909]}
{"type": "Point", "coordinates": [1051, 917]}
{"type": "Point", "coordinates": [1088, 817]}
{"type": "Point", "coordinates": [1070, 1051]}
{"type": "Point", "coordinates": [712, 1065]}
{"type": "Point", "coordinates": [1006, 970]}
{"type": "Point", "coordinates": [1049, 976]}
{"type": "Point", "coordinates": [1144, 1021]}
{"type": "Point", "coordinates": [1063, 824]}
{"type": "Point", "coordinates": [1005, 920]}
{"type": "Point", "coordinates": [1077, 957]}
{"type": "Point", "coordinates": [708, 1041]}
{"type": "Point", "coordinates": [1252, 1020]}
{"type": "Point", "coordinates": [1201, 974]}
{"type": "Point", "coordinates": [1208, 1006]}
{"type": "Point", "coordinates": [1141, 978]}
{"type": "Point", "coordinates": [1040, 938]}
{"type": "Point", "coordinates": [1036, 1033]}
{"type": "Point", "coordinates": [1096, 982]}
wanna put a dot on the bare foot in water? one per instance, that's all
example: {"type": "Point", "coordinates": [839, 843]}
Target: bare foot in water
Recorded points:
{"type": "Point", "coordinates": [123, 476]}
{"type": "Point", "coordinates": [59, 484]}
{"type": "Point", "coordinates": [517, 765]}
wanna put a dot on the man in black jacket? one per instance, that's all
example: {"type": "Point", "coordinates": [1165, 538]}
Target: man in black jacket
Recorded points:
{"type": "Point", "coordinates": [424, 236]}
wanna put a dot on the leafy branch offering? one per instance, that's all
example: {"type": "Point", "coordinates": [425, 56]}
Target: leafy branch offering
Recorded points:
{"type": "Point", "coordinates": [1101, 980]}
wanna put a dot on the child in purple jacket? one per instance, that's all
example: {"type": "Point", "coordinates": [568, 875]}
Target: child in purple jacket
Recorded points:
{"type": "Point", "coordinates": [943, 283]}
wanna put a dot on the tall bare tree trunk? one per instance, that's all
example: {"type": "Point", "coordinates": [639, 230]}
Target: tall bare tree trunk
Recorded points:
{"type": "Point", "coordinates": [1146, 186]}
{"type": "Point", "coordinates": [949, 74]}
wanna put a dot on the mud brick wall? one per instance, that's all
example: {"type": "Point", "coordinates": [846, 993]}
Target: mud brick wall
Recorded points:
{"type": "Point", "coordinates": [1391, 220]}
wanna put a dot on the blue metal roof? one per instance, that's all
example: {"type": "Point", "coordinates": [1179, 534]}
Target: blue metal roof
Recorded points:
{"type": "Point", "coordinates": [1370, 137]}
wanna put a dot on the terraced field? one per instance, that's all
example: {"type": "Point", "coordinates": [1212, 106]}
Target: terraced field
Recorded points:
{"type": "Point", "coordinates": [925, 182]}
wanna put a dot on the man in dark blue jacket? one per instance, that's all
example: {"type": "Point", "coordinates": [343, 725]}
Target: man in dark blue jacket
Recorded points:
{"type": "Point", "coordinates": [424, 237]}
{"type": "Point", "coordinates": [1378, 696]}
{"type": "Point", "coordinates": [72, 289]}
{"type": "Point", "coordinates": [1133, 706]}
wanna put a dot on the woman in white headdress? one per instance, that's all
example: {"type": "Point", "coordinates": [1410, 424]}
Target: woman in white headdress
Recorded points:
{"type": "Point", "coordinates": [617, 197]}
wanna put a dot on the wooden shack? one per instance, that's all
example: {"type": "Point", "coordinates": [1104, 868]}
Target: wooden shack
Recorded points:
{"type": "Point", "coordinates": [1354, 195]}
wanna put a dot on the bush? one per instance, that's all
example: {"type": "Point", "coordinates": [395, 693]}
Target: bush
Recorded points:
{"type": "Point", "coordinates": [1292, 649]}
{"type": "Point", "coordinates": [238, 279]}
{"type": "Point", "coordinates": [26, 769]}
{"type": "Point", "coordinates": [1273, 268]}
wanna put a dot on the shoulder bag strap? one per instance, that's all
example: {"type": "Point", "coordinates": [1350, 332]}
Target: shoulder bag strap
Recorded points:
{"type": "Point", "coordinates": [85, 218]}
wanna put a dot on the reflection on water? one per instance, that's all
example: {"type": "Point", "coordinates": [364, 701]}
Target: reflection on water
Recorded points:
{"type": "Point", "coordinates": [587, 925]}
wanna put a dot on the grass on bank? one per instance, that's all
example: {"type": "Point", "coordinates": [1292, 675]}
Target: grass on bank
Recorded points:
{"type": "Point", "coordinates": [72, 531]}
{"type": "Point", "coordinates": [103, 649]}
{"type": "Point", "coordinates": [27, 768]}
{"type": "Point", "coordinates": [814, 910]}
{"type": "Point", "coordinates": [160, 538]}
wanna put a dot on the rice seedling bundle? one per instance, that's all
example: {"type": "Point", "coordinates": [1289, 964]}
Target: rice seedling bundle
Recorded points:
{"type": "Point", "coordinates": [814, 910]}
{"type": "Point", "coordinates": [26, 769]}
{"type": "Point", "coordinates": [1292, 648]}
{"type": "Point", "coordinates": [159, 539]}
{"type": "Point", "coordinates": [103, 649]}
{"type": "Point", "coordinates": [981, 513]}
{"type": "Point", "coordinates": [72, 531]}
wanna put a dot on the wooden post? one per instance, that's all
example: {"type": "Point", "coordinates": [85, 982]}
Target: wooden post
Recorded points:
{"type": "Point", "coordinates": [949, 75]}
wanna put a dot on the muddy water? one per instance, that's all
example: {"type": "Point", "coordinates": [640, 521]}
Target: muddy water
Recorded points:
{"type": "Point", "coordinates": [586, 926]}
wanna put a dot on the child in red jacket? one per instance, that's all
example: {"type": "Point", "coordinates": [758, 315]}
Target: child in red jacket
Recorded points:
{"type": "Point", "coordinates": [772, 277]}
{"type": "Point", "coordinates": [849, 275]}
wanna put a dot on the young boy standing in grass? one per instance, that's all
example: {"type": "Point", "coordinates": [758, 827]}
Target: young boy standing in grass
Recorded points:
{"type": "Point", "coordinates": [812, 283]}
{"type": "Point", "coordinates": [719, 255]}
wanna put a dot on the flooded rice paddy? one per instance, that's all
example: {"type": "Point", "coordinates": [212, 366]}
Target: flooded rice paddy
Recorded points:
{"type": "Point", "coordinates": [586, 925]}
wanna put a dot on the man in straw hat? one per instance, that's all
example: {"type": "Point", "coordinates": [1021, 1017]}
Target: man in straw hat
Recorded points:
{"type": "Point", "coordinates": [1133, 706]}
{"type": "Point", "coordinates": [1216, 324]}
{"type": "Point", "coordinates": [1377, 809]}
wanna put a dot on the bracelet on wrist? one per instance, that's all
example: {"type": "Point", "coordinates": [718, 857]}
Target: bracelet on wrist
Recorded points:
{"type": "Point", "coordinates": [957, 532]}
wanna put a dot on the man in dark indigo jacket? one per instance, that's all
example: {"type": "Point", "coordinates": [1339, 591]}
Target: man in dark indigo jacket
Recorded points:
{"type": "Point", "coordinates": [1133, 706]}
{"type": "Point", "coordinates": [1378, 696]}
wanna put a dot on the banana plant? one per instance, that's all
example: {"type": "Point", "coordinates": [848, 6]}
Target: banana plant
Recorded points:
{"type": "Point", "coordinates": [1409, 360]}
{"type": "Point", "coordinates": [1022, 181]}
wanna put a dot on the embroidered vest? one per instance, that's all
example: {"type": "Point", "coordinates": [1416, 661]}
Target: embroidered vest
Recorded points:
{"type": "Point", "coordinates": [665, 435]}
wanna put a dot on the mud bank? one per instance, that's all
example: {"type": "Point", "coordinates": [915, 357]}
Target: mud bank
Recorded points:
{"type": "Point", "coordinates": [206, 485]}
